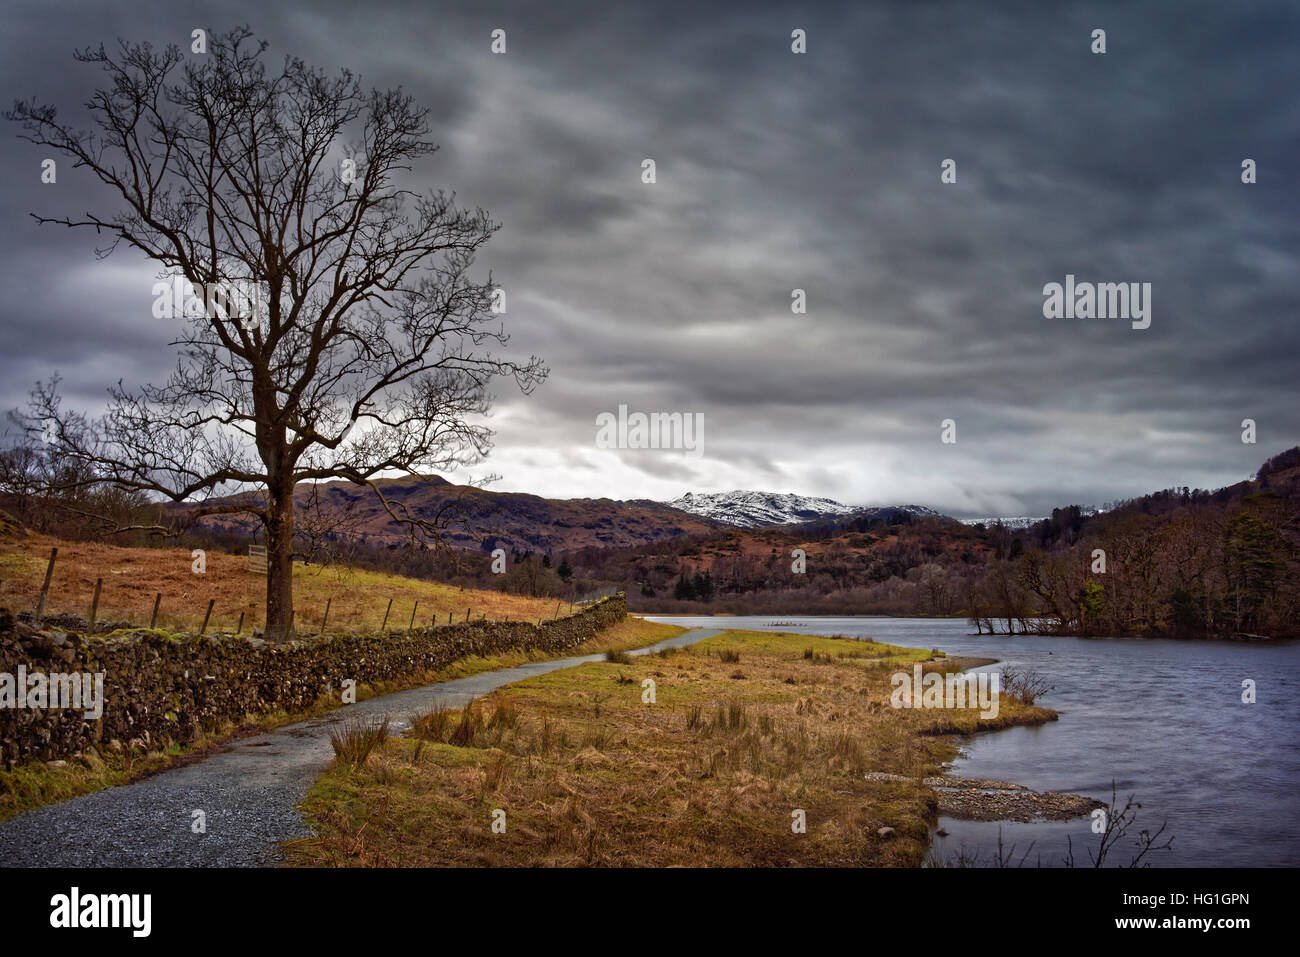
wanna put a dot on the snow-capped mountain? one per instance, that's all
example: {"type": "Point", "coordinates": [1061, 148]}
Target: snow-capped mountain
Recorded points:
{"type": "Point", "coordinates": [757, 509]}
{"type": "Point", "coordinates": [1012, 521]}
{"type": "Point", "coordinates": [887, 511]}
{"type": "Point", "coordinates": [760, 509]}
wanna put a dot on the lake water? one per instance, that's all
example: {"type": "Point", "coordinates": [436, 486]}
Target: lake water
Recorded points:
{"type": "Point", "coordinates": [1163, 719]}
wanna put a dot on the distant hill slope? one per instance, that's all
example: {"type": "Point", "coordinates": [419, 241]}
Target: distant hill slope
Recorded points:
{"type": "Point", "coordinates": [478, 518]}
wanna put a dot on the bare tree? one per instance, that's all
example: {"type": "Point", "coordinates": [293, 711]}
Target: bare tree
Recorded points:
{"type": "Point", "coordinates": [327, 528]}
{"type": "Point", "coordinates": [372, 349]}
{"type": "Point", "coordinates": [60, 496]}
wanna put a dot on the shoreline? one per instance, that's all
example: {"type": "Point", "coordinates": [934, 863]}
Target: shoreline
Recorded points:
{"type": "Point", "coordinates": [785, 621]}
{"type": "Point", "coordinates": [978, 799]}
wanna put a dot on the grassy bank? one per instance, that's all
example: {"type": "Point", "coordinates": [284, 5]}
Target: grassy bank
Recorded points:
{"type": "Point", "coordinates": [747, 729]}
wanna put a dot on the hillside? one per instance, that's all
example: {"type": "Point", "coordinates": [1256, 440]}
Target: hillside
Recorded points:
{"type": "Point", "coordinates": [871, 563]}
{"type": "Point", "coordinates": [133, 576]}
{"type": "Point", "coordinates": [481, 519]}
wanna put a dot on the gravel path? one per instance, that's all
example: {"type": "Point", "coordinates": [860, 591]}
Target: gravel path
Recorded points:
{"type": "Point", "coordinates": [249, 791]}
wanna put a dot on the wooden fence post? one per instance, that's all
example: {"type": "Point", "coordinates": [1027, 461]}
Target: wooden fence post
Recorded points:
{"type": "Point", "coordinates": [467, 611]}
{"type": "Point", "coordinates": [45, 589]}
{"type": "Point", "coordinates": [411, 626]}
{"type": "Point", "coordinates": [386, 611]}
{"type": "Point", "coordinates": [94, 602]}
{"type": "Point", "coordinates": [241, 623]}
{"type": "Point", "coordinates": [327, 615]}
{"type": "Point", "coordinates": [206, 617]}
{"type": "Point", "coordinates": [153, 619]}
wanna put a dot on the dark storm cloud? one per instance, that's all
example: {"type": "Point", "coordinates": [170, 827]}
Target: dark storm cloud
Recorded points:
{"type": "Point", "coordinates": [820, 172]}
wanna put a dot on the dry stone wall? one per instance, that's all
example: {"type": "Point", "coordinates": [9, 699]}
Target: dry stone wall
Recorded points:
{"type": "Point", "coordinates": [162, 689]}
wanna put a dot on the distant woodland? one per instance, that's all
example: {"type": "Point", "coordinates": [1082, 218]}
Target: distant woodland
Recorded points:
{"type": "Point", "coordinates": [1186, 563]}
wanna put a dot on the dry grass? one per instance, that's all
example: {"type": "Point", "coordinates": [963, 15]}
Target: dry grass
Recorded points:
{"type": "Point", "coordinates": [709, 775]}
{"type": "Point", "coordinates": [133, 576]}
{"type": "Point", "coordinates": [354, 739]}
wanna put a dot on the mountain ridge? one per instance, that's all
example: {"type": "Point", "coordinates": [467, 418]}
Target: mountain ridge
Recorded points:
{"type": "Point", "coordinates": [741, 508]}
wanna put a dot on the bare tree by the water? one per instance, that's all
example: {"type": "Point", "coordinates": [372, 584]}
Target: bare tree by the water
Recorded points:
{"type": "Point", "coordinates": [372, 351]}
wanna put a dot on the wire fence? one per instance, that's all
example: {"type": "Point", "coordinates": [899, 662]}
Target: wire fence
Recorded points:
{"type": "Point", "coordinates": [366, 609]}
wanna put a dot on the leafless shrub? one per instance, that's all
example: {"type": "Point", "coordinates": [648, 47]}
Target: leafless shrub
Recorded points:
{"type": "Point", "coordinates": [1026, 685]}
{"type": "Point", "coordinates": [1118, 822]}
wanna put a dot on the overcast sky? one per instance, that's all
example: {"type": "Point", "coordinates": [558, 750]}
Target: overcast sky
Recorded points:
{"type": "Point", "coordinates": [778, 171]}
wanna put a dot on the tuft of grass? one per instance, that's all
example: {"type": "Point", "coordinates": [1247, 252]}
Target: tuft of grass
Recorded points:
{"type": "Point", "coordinates": [354, 739]}
{"type": "Point", "coordinates": [731, 717]}
{"type": "Point", "coordinates": [505, 717]}
{"type": "Point", "coordinates": [596, 737]}
{"type": "Point", "coordinates": [433, 725]}
{"type": "Point", "coordinates": [618, 657]}
{"type": "Point", "coordinates": [730, 656]}
{"type": "Point", "coordinates": [843, 748]}
{"type": "Point", "coordinates": [546, 739]}
{"type": "Point", "coordinates": [495, 773]}
{"type": "Point", "coordinates": [695, 718]}
{"type": "Point", "coordinates": [467, 731]}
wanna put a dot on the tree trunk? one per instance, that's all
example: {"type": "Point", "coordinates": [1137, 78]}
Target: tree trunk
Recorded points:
{"type": "Point", "coordinates": [279, 564]}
